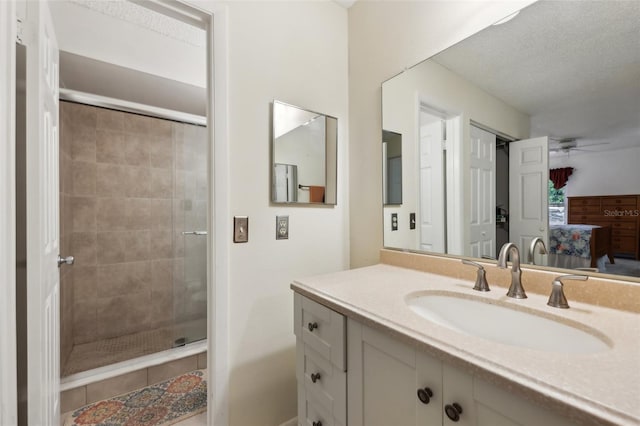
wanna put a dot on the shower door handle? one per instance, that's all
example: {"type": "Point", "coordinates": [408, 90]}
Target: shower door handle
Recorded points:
{"type": "Point", "coordinates": [65, 260]}
{"type": "Point", "coordinates": [194, 232]}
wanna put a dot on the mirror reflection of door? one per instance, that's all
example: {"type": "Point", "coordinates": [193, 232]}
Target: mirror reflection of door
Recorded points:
{"type": "Point", "coordinates": [482, 232]}
{"type": "Point", "coordinates": [392, 168]}
{"type": "Point", "coordinates": [432, 185]}
{"type": "Point", "coordinates": [528, 187]}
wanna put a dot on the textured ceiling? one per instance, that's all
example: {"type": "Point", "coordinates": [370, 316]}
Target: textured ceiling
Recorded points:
{"type": "Point", "coordinates": [573, 66]}
{"type": "Point", "coordinates": [143, 17]}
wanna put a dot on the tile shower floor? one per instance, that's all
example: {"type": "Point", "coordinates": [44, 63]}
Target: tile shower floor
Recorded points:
{"type": "Point", "coordinates": [87, 356]}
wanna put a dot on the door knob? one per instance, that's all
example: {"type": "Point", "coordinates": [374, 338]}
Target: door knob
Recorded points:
{"type": "Point", "coordinates": [65, 260]}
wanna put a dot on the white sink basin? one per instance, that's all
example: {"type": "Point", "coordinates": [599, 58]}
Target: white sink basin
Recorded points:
{"type": "Point", "coordinates": [475, 317]}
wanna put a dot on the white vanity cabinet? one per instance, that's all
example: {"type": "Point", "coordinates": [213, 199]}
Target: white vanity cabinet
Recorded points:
{"type": "Point", "coordinates": [320, 364]}
{"type": "Point", "coordinates": [386, 375]}
{"type": "Point", "coordinates": [390, 383]}
{"type": "Point", "coordinates": [355, 375]}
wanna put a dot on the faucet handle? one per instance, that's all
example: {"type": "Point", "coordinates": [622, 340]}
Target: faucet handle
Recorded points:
{"type": "Point", "coordinates": [481, 277]}
{"type": "Point", "coordinates": [557, 298]}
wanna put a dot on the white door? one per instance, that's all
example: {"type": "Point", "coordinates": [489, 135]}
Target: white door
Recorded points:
{"type": "Point", "coordinates": [482, 231]}
{"type": "Point", "coordinates": [432, 220]}
{"type": "Point", "coordinates": [8, 400]}
{"type": "Point", "coordinates": [43, 280]}
{"type": "Point", "coordinates": [528, 187]}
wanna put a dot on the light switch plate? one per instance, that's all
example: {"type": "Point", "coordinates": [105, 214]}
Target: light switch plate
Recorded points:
{"type": "Point", "coordinates": [282, 227]}
{"type": "Point", "coordinates": [240, 229]}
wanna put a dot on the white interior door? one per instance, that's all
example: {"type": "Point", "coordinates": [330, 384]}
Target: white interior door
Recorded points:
{"type": "Point", "coordinates": [432, 220]}
{"type": "Point", "coordinates": [482, 231]}
{"type": "Point", "coordinates": [8, 400]}
{"type": "Point", "coordinates": [43, 280]}
{"type": "Point", "coordinates": [528, 187]}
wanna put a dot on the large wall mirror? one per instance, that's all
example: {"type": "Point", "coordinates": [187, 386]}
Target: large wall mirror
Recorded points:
{"type": "Point", "coordinates": [528, 129]}
{"type": "Point", "coordinates": [304, 156]}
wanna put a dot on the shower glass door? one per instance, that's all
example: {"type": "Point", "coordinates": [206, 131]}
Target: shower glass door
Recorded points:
{"type": "Point", "coordinates": [190, 223]}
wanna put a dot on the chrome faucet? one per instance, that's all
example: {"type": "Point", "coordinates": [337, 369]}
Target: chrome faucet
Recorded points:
{"type": "Point", "coordinates": [515, 290]}
{"type": "Point", "coordinates": [481, 276]}
{"type": "Point", "coordinates": [557, 298]}
{"type": "Point", "coordinates": [532, 249]}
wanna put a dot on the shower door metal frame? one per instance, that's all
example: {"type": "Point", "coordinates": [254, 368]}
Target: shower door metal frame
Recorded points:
{"type": "Point", "coordinates": [132, 107]}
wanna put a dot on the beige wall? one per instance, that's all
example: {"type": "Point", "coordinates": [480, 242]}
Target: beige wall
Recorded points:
{"type": "Point", "coordinates": [295, 52]}
{"type": "Point", "coordinates": [591, 178]}
{"type": "Point", "coordinates": [385, 38]}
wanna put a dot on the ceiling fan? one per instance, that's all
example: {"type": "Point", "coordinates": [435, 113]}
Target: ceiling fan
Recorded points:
{"type": "Point", "coordinates": [567, 145]}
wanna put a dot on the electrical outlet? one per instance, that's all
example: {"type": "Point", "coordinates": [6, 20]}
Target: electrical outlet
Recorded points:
{"type": "Point", "coordinates": [412, 221]}
{"type": "Point", "coordinates": [394, 221]}
{"type": "Point", "coordinates": [282, 227]}
{"type": "Point", "coordinates": [240, 229]}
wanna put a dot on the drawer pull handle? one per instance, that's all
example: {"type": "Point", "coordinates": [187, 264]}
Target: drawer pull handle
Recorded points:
{"type": "Point", "coordinates": [318, 423]}
{"type": "Point", "coordinates": [315, 377]}
{"type": "Point", "coordinates": [424, 395]}
{"type": "Point", "coordinates": [312, 326]}
{"type": "Point", "coordinates": [453, 411]}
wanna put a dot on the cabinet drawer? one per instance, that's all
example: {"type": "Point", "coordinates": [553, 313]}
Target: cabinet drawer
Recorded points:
{"type": "Point", "coordinates": [311, 412]}
{"type": "Point", "coordinates": [585, 219]}
{"type": "Point", "coordinates": [625, 244]}
{"type": "Point", "coordinates": [587, 201]}
{"type": "Point", "coordinates": [620, 225]}
{"type": "Point", "coordinates": [630, 200]}
{"type": "Point", "coordinates": [320, 328]}
{"type": "Point", "coordinates": [586, 209]}
{"type": "Point", "coordinates": [326, 382]}
{"type": "Point", "coordinates": [621, 215]}
{"type": "Point", "coordinates": [624, 232]}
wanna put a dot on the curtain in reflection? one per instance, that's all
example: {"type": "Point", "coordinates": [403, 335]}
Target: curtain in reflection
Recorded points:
{"type": "Point", "coordinates": [559, 177]}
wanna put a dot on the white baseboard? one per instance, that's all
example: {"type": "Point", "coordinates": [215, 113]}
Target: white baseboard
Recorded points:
{"type": "Point", "coordinates": [292, 422]}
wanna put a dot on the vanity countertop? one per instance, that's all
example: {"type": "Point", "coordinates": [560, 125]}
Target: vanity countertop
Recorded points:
{"type": "Point", "coordinates": [592, 389]}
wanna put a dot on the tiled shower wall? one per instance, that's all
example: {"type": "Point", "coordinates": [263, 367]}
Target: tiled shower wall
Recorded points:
{"type": "Point", "coordinates": [66, 232]}
{"type": "Point", "coordinates": [135, 181]}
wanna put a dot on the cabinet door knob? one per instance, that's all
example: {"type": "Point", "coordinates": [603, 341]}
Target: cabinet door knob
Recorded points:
{"type": "Point", "coordinates": [312, 326]}
{"type": "Point", "coordinates": [453, 411]}
{"type": "Point", "coordinates": [315, 377]}
{"type": "Point", "coordinates": [318, 423]}
{"type": "Point", "coordinates": [424, 395]}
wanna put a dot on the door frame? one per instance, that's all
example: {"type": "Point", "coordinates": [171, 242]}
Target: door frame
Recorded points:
{"type": "Point", "coordinates": [214, 21]}
{"type": "Point", "coordinates": [8, 33]}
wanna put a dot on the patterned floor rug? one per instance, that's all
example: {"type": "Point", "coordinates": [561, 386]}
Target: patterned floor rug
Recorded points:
{"type": "Point", "coordinates": [161, 404]}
